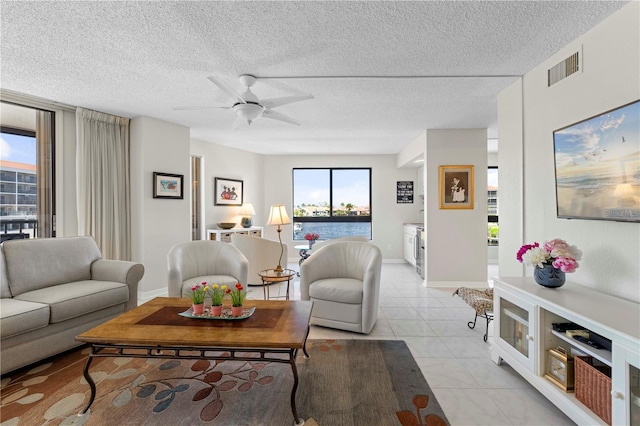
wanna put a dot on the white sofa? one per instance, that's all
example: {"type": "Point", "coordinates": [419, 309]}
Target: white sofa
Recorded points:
{"type": "Point", "coordinates": [53, 289]}
{"type": "Point", "coordinates": [193, 262]}
{"type": "Point", "coordinates": [343, 281]}
{"type": "Point", "coordinates": [261, 253]}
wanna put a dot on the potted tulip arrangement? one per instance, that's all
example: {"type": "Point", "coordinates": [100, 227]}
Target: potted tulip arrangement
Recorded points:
{"type": "Point", "coordinates": [217, 293]}
{"type": "Point", "coordinates": [238, 294]}
{"type": "Point", "coordinates": [197, 295]}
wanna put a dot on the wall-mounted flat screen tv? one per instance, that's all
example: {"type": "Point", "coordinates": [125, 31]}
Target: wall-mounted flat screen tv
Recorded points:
{"type": "Point", "coordinates": [598, 166]}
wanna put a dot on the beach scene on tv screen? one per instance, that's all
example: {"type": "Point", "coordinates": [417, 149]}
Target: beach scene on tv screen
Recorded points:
{"type": "Point", "coordinates": [598, 166]}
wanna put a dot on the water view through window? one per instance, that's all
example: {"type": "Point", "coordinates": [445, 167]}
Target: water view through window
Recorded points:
{"type": "Point", "coordinates": [332, 203]}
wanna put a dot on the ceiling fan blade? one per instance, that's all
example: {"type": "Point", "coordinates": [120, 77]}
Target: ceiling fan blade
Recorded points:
{"type": "Point", "coordinates": [276, 102]}
{"type": "Point", "coordinates": [277, 116]}
{"type": "Point", "coordinates": [190, 108]}
{"type": "Point", "coordinates": [227, 89]}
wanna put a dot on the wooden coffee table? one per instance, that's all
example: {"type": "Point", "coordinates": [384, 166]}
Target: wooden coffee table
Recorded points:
{"type": "Point", "coordinates": [155, 330]}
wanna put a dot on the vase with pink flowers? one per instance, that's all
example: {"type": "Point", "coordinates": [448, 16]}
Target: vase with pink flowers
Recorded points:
{"type": "Point", "coordinates": [312, 237]}
{"type": "Point", "coordinates": [551, 261]}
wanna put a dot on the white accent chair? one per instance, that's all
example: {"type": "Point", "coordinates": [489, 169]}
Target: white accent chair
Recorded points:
{"type": "Point", "coordinates": [317, 246]}
{"type": "Point", "coordinates": [343, 281]}
{"type": "Point", "coordinates": [261, 253]}
{"type": "Point", "coordinates": [193, 262]}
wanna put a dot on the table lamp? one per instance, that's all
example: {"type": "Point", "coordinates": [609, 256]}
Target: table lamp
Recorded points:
{"type": "Point", "coordinates": [278, 216]}
{"type": "Point", "coordinates": [246, 211]}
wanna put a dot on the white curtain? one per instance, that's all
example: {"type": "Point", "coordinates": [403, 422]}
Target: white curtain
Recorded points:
{"type": "Point", "coordinates": [44, 137]}
{"type": "Point", "coordinates": [102, 176]}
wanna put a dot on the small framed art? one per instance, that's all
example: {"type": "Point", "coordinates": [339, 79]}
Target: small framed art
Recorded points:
{"type": "Point", "coordinates": [228, 192]}
{"type": "Point", "coordinates": [167, 185]}
{"type": "Point", "coordinates": [456, 187]}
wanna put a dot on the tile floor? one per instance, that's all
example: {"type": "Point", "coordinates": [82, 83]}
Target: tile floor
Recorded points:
{"type": "Point", "coordinates": [454, 359]}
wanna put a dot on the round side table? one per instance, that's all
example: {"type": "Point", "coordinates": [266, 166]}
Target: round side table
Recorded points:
{"type": "Point", "coordinates": [270, 276]}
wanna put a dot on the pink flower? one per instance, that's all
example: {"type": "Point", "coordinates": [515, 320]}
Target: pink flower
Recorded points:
{"type": "Point", "coordinates": [565, 264]}
{"type": "Point", "coordinates": [525, 248]}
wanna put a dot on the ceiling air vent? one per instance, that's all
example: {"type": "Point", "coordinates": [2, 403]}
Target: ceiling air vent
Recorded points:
{"type": "Point", "coordinates": [564, 69]}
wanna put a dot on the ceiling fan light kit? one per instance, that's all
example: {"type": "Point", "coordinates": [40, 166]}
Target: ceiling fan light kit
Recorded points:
{"type": "Point", "coordinates": [249, 111]}
{"type": "Point", "coordinates": [248, 107]}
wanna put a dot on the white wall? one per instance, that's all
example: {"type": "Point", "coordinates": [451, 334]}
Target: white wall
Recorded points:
{"type": "Point", "coordinates": [456, 239]}
{"type": "Point", "coordinates": [611, 66]}
{"type": "Point", "coordinates": [412, 151]}
{"type": "Point", "coordinates": [510, 166]}
{"type": "Point", "coordinates": [225, 162]}
{"type": "Point", "coordinates": [387, 216]}
{"type": "Point", "coordinates": [157, 224]}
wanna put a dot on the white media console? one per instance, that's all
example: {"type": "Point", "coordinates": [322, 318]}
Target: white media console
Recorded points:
{"type": "Point", "coordinates": [523, 335]}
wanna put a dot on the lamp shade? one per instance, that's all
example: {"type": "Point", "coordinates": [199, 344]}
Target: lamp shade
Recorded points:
{"type": "Point", "coordinates": [278, 215]}
{"type": "Point", "coordinates": [247, 210]}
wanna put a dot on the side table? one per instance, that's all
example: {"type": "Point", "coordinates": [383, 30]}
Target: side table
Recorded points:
{"type": "Point", "coordinates": [304, 251]}
{"type": "Point", "coordinates": [270, 276]}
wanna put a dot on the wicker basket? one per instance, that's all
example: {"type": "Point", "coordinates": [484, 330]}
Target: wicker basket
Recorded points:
{"type": "Point", "coordinates": [593, 386]}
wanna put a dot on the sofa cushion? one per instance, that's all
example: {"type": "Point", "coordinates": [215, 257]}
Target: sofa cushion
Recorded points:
{"type": "Point", "coordinates": [19, 316]}
{"type": "Point", "coordinates": [43, 262]}
{"type": "Point", "coordinates": [345, 290]}
{"type": "Point", "coordinates": [78, 298]}
{"type": "Point", "coordinates": [4, 280]}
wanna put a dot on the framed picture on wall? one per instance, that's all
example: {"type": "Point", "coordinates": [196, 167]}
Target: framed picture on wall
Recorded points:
{"type": "Point", "coordinates": [228, 192]}
{"type": "Point", "coordinates": [456, 187]}
{"type": "Point", "coordinates": [167, 185]}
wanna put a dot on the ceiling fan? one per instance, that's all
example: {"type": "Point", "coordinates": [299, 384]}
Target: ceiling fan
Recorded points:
{"type": "Point", "coordinates": [248, 107]}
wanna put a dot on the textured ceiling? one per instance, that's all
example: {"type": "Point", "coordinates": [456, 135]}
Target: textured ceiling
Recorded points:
{"type": "Point", "coordinates": [381, 72]}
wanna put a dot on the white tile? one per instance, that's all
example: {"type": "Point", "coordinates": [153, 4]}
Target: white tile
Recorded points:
{"type": "Point", "coordinates": [437, 314]}
{"type": "Point", "coordinates": [528, 407]}
{"type": "Point", "coordinates": [445, 373]}
{"type": "Point", "coordinates": [425, 302]}
{"type": "Point", "coordinates": [490, 375]}
{"type": "Point", "coordinates": [464, 347]}
{"type": "Point", "coordinates": [427, 347]}
{"type": "Point", "coordinates": [405, 312]}
{"type": "Point", "coordinates": [453, 328]}
{"type": "Point", "coordinates": [403, 328]}
{"type": "Point", "coordinates": [471, 407]}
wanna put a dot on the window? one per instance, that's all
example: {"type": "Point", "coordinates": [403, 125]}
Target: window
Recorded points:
{"type": "Point", "coordinates": [27, 196]}
{"type": "Point", "coordinates": [492, 207]}
{"type": "Point", "coordinates": [331, 202]}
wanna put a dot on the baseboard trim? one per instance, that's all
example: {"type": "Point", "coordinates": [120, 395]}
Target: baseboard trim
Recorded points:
{"type": "Point", "coordinates": [145, 296]}
{"type": "Point", "coordinates": [456, 284]}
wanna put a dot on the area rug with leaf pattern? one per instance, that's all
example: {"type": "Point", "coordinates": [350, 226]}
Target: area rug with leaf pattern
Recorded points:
{"type": "Point", "coordinates": [344, 382]}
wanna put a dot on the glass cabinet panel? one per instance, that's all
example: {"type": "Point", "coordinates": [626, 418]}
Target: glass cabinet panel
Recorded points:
{"type": "Point", "coordinates": [634, 393]}
{"type": "Point", "coordinates": [514, 326]}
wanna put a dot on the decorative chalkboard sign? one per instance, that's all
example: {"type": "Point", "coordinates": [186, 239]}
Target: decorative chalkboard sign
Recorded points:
{"type": "Point", "coordinates": [405, 192]}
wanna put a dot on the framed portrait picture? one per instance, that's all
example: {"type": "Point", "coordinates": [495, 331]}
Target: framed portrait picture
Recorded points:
{"type": "Point", "coordinates": [167, 185]}
{"type": "Point", "coordinates": [456, 187]}
{"type": "Point", "coordinates": [228, 192]}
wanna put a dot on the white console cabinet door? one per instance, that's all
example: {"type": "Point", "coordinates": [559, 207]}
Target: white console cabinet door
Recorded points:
{"type": "Point", "coordinates": [625, 387]}
{"type": "Point", "coordinates": [515, 329]}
